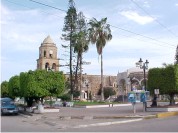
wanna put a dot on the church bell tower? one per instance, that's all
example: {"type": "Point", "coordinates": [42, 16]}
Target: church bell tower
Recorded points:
{"type": "Point", "coordinates": [48, 55]}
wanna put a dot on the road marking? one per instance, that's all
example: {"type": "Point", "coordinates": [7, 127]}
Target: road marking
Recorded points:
{"type": "Point", "coordinates": [107, 123]}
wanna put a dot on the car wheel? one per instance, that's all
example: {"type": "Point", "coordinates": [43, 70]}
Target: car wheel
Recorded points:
{"type": "Point", "coordinates": [16, 113]}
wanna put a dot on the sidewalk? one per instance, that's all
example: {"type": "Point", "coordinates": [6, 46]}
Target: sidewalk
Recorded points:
{"type": "Point", "coordinates": [94, 113]}
{"type": "Point", "coordinates": [71, 117]}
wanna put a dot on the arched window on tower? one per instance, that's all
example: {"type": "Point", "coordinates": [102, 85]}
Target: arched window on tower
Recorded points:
{"type": "Point", "coordinates": [51, 54]}
{"type": "Point", "coordinates": [54, 67]}
{"type": "Point", "coordinates": [47, 66]}
{"type": "Point", "coordinates": [44, 53]}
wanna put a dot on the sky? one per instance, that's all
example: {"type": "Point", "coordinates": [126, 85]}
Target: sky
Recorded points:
{"type": "Point", "coordinates": [146, 29]}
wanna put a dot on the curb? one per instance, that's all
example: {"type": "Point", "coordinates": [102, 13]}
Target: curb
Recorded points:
{"type": "Point", "coordinates": [166, 114]}
{"type": "Point", "coordinates": [107, 123]}
{"type": "Point", "coordinates": [106, 117]}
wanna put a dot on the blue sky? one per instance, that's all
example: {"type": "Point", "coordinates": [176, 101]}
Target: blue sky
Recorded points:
{"type": "Point", "coordinates": [146, 29]}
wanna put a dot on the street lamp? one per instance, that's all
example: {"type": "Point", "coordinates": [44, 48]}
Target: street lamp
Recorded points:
{"type": "Point", "coordinates": [144, 66]}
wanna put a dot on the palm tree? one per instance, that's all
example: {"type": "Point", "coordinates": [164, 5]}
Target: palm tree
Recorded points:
{"type": "Point", "coordinates": [99, 34]}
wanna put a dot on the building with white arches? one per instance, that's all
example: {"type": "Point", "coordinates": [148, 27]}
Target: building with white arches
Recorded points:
{"type": "Point", "coordinates": [131, 79]}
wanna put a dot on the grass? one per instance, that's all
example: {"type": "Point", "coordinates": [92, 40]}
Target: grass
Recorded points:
{"type": "Point", "coordinates": [86, 103]}
{"type": "Point", "coordinates": [82, 103]}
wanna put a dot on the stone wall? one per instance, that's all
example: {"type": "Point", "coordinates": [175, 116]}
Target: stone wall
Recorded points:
{"type": "Point", "coordinates": [94, 82]}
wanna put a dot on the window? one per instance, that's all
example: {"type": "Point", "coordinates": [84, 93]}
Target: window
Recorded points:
{"type": "Point", "coordinates": [54, 66]}
{"type": "Point", "coordinates": [44, 53]}
{"type": "Point", "coordinates": [51, 54]}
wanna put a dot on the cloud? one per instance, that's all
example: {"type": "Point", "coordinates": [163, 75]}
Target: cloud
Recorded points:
{"type": "Point", "coordinates": [177, 4]}
{"type": "Point", "coordinates": [137, 18]}
{"type": "Point", "coordinates": [25, 30]}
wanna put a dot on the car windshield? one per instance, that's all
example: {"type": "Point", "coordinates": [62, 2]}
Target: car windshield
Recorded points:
{"type": "Point", "coordinates": [5, 103]}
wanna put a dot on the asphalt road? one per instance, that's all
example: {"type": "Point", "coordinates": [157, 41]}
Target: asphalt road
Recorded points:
{"type": "Point", "coordinates": [150, 125]}
{"type": "Point", "coordinates": [31, 124]}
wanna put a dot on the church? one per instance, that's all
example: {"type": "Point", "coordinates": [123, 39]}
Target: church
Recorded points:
{"type": "Point", "coordinates": [48, 60]}
{"type": "Point", "coordinates": [122, 83]}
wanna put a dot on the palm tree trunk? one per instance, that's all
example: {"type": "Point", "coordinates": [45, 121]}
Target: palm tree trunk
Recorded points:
{"type": "Point", "coordinates": [81, 77]}
{"type": "Point", "coordinates": [102, 90]}
{"type": "Point", "coordinates": [76, 73]}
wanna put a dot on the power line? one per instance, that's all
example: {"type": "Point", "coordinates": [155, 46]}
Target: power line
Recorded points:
{"type": "Point", "coordinates": [110, 25]}
{"type": "Point", "coordinates": [149, 42]}
{"type": "Point", "coordinates": [30, 8]}
{"type": "Point", "coordinates": [142, 35]}
{"type": "Point", "coordinates": [48, 5]}
{"type": "Point", "coordinates": [162, 25]}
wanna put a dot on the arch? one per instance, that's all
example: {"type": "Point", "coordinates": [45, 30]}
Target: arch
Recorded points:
{"type": "Point", "coordinates": [44, 53]}
{"type": "Point", "coordinates": [142, 84]}
{"type": "Point", "coordinates": [54, 66]}
{"type": "Point", "coordinates": [135, 84]}
{"type": "Point", "coordinates": [50, 53]}
{"type": "Point", "coordinates": [114, 84]}
{"type": "Point", "coordinates": [47, 66]}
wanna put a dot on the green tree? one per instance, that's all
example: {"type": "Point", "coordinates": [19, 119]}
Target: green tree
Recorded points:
{"type": "Point", "coordinates": [99, 34]}
{"type": "Point", "coordinates": [108, 91]}
{"type": "Point", "coordinates": [4, 89]}
{"type": "Point", "coordinates": [14, 87]}
{"type": "Point", "coordinates": [164, 79]}
{"type": "Point", "coordinates": [80, 47]}
{"type": "Point", "coordinates": [41, 83]}
{"type": "Point", "coordinates": [70, 25]}
{"type": "Point", "coordinates": [176, 56]}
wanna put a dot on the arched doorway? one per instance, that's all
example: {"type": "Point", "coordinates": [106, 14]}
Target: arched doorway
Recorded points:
{"type": "Point", "coordinates": [54, 66]}
{"type": "Point", "coordinates": [47, 66]}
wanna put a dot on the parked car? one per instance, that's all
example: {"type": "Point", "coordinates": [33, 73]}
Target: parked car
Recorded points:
{"type": "Point", "coordinates": [8, 106]}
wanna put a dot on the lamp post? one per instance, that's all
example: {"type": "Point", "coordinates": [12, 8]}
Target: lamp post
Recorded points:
{"type": "Point", "coordinates": [144, 66]}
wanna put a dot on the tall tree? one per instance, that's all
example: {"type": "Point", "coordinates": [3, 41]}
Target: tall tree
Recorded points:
{"type": "Point", "coordinates": [4, 89]}
{"type": "Point", "coordinates": [176, 56]}
{"type": "Point", "coordinates": [70, 24]}
{"type": "Point", "coordinates": [80, 47]}
{"type": "Point", "coordinates": [99, 34]}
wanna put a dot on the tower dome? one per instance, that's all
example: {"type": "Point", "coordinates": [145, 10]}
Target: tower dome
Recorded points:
{"type": "Point", "coordinates": [48, 41]}
{"type": "Point", "coordinates": [48, 55]}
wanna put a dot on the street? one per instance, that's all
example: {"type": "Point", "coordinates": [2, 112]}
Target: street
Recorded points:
{"type": "Point", "coordinates": [151, 125]}
{"type": "Point", "coordinates": [42, 124]}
